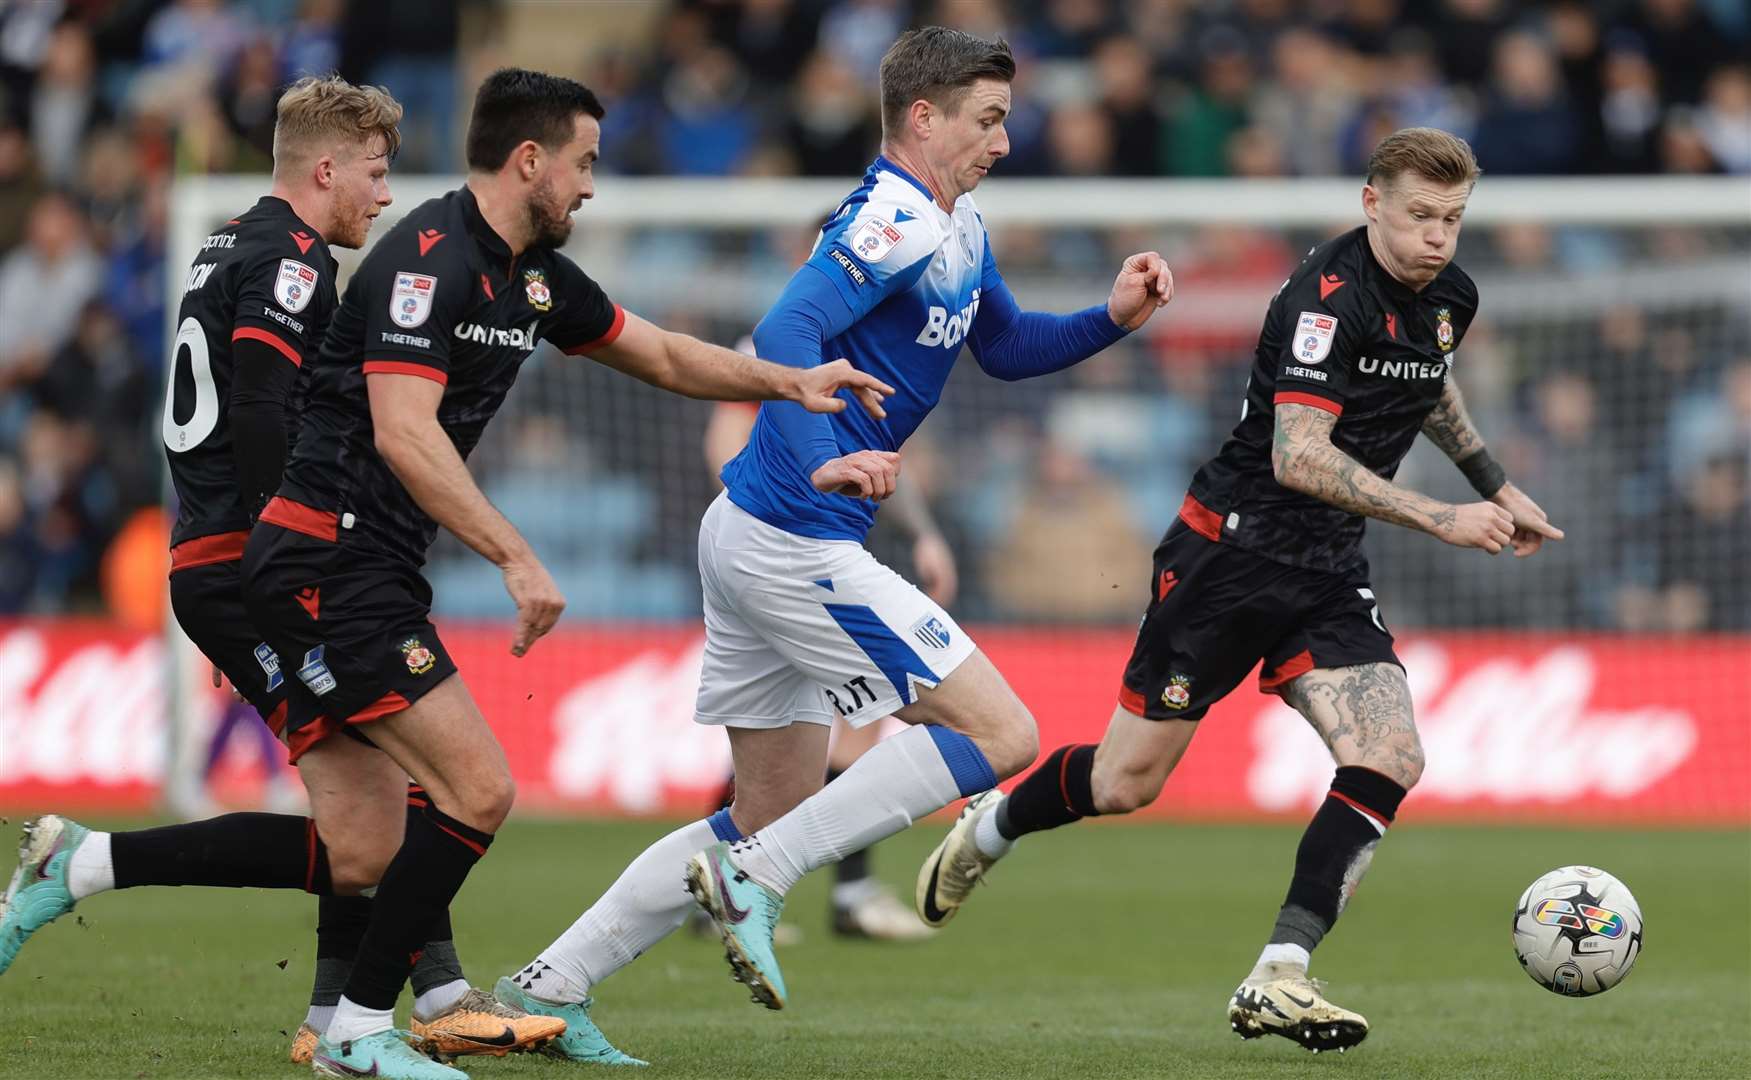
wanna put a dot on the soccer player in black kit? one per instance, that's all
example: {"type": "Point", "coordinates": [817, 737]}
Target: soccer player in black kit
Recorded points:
{"type": "Point", "coordinates": [426, 343]}
{"type": "Point", "coordinates": [1265, 564]}
{"type": "Point", "coordinates": [255, 305]}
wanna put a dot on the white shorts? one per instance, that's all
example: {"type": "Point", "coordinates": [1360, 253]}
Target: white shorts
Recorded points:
{"type": "Point", "coordinates": [804, 629]}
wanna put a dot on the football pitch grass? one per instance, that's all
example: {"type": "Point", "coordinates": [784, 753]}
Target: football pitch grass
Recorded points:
{"type": "Point", "coordinates": [1106, 950]}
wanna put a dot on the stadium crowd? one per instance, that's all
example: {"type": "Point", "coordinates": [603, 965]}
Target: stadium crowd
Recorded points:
{"type": "Point", "coordinates": [1632, 421]}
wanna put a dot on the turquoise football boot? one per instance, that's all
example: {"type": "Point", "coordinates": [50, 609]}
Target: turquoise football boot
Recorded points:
{"type": "Point", "coordinates": [582, 1041]}
{"type": "Point", "coordinates": [386, 1055]}
{"type": "Point", "coordinates": [746, 914]}
{"type": "Point", "coordinates": [38, 893]}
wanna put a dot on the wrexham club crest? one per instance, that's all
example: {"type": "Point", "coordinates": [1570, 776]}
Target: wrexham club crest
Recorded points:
{"type": "Point", "coordinates": [535, 288]}
{"type": "Point", "coordinates": [1178, 693]}
{"type": "Point", "coordinates": [419, 658]}
{"type": "Point", "coordinates": [1444, 329]}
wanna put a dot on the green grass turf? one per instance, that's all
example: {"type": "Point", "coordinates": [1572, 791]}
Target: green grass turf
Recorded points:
{"type": "Point", "coordinates": [1106, 950]}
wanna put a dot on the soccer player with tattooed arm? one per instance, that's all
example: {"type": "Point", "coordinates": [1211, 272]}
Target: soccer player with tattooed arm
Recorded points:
{"type": "Point", "coordinates": [1265, 563]}
{"type": "Point", "coordinates": [424, 346]}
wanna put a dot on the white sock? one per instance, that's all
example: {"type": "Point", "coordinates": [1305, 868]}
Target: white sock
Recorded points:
{"type": "Point", "coordinates": [354, 1021]}
{"type": "Point", "coordinates": [849, 894]}
{"type": "Point", "coordinates": [439, 1000]}
{"type": "Point", "coordinates": [991, 843]}
{"type": "Point", "coordinates": [319, 1017]}
{"type": "Point", "coordinates": [91, 870]}
{"type": "Point", "coordinates": [900, 779]}
{"type": "Point", "coordinates": [1285, 953]}
{"type": "Point", "coordinates": [644, 905]}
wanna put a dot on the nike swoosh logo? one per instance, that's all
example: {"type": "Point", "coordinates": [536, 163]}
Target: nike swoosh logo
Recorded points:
{"type": "Point", "coordinates": [508, 1038]}
{"type": "Point", "coordinates": [731, 911]}
{"type": "Point", "coordinates": [343, 1068]}
{"type": "Point", "coordinates": [931, 911]}
{"type": "Point", "coordinates": [1308, 1004]}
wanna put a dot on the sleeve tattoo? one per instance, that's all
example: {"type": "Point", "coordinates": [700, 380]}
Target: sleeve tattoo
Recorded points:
{"type": "Point", "coordinates": [1450, 427]}
{"type": "Point", "coordinates": [1304, 459]}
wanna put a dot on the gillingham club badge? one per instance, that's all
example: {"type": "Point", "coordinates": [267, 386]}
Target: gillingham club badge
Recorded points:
{"type": "Point", "coordinates": [535, 288]}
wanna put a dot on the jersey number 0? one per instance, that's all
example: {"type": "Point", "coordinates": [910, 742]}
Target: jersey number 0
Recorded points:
{"type": "Point", "coordinates": [205, 417]}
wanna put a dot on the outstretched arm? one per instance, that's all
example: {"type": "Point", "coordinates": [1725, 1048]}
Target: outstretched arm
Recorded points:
{"type": "Point", "coordinates": [1303, 459]}
{"type": "Point", "coordinates": [686, 365]}
{"type": "Point", "coordinates": [1449, 427]}
{"type": "Point", "coordinates": [1012, 344]}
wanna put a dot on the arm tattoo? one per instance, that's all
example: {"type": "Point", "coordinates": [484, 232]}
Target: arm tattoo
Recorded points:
{"type": "Point", "coordinates": [1305, 460]}
{"type": "Point", "coordinates": [1449, 426]}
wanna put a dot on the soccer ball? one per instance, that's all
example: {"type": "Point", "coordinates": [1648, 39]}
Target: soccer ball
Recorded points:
{"type": "Point", "coordinates": [1577, 930]}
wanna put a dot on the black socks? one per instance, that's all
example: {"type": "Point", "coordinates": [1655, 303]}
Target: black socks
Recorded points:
{"type": "Point", "coordinates": [1335, 852]}
{"type": "Point", "coordinates": [1059, 791]}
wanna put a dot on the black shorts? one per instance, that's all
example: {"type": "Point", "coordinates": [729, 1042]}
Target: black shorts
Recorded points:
{"type": "Point", "coordinates": [1216, 610]}
{"type": "Point", "coordinates": [208, 602]}
{"type": "Point", "coordinates": [352, 630]}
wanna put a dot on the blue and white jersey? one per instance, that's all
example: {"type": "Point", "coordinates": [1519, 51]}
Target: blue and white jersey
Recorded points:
{"type": "Point", "coordinates": [912, 277]}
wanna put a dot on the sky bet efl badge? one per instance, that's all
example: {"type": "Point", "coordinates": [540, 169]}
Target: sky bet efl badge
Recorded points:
{"type": "Point", "coordinates": [295, 285]}
{"type": "Point", "coordinates": [1313, 336]}
{"type": "Point", "coordinates": [410, 304]}
{"type": "Point", "coordinates": [874, 239]}
{"type": "Point", "coordinates": [535, 288]}
{"type": "Point", "coordinates": [1444, 328]}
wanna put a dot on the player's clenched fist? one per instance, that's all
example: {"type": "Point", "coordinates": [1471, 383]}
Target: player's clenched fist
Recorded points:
{"type": "Point", "coordinates": [1479, 525]}
{"type": "Point", "coordinates": [1144, 285]}
{"type": "Point", "coordinates": [867, 474]}
{"type": "Point", "coordinates": [538, 601]}
{"type": "Point", "coordinates": [818, 387]}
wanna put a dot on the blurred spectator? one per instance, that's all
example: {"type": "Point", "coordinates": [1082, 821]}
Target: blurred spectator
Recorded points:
{"type": "Point", "coordinates": [1080, 139]}
{"type": "Point", "coordinates": [250, 91]}
{"type": "Point", "coordinates": [43, 284]}
{"type": "Point", "coordinates": [411, 49]}
{"type": "Point", "coordinates": [312, 45]}
{"type": "Point", "coordinates": [1628, 119]}
{"type": "Point", "coordinates": [1309, 103]}
{"type": "Point", "coordinates": [1071, 550]}
{"type": "Point", "coordinates": [1527, 126]}
{"type": "Point", "coordinates": [1216, 109]}
{"type": "Point", "coordinates": [770, 39]}
{"type": "Point", "coordinates": [1683, 43]}
{"type": "Point", "coordinates": [707, 125]}
{"type": "Point", "coordinates": [1724, 122]}
{"type": "Point", "coordinates": [64, 105]}
{"type": "Point", "coordinates": [834, 128]}
{"type": "Point", "coordinates": [1703, 537]}
{"type": "Point", "coordinates": [21, 183]}
{"type": "Point", "coordinates": [858, 32]}
{"type": "Point", "coordinates": [1070, 28]}
{"type": "Point", "coordinates": [17, 544]}
{"type": "Point", "coordinates": [1127, 96]}
{"type": "Point", "coordinates": [1465, 32]}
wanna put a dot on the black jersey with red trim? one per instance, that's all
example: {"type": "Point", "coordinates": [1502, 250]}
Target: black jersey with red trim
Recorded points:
{"type": "Point", "coordinates": [440, 297]}
{"type": "Point", "coordinates": [265, 276]}
{"type": "Point", "coordinates": [1345, 336]}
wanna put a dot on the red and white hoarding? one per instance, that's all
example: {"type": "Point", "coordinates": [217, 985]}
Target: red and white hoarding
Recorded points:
{"type": "Point", "coordinates": [1588, 729]}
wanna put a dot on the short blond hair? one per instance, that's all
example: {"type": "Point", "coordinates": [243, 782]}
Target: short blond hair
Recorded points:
{"type": "Point", "coordinates": [315, 113]}
{"type": "Point", "coordinates": [1431, 153]}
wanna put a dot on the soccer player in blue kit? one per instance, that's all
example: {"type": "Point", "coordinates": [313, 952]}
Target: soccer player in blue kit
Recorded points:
{"type": "Point", "coordinates": [802, 623]}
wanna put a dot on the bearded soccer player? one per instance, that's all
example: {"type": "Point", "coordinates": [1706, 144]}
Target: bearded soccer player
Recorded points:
{"type": "Point", "coordinates": [802, 624]}
{"type": "Point", "coordinates": [1265, 563]}
{"type": "Point", "coordinates": [426, 343]}
{"type": "Point", "coordinates": [255, 305]}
